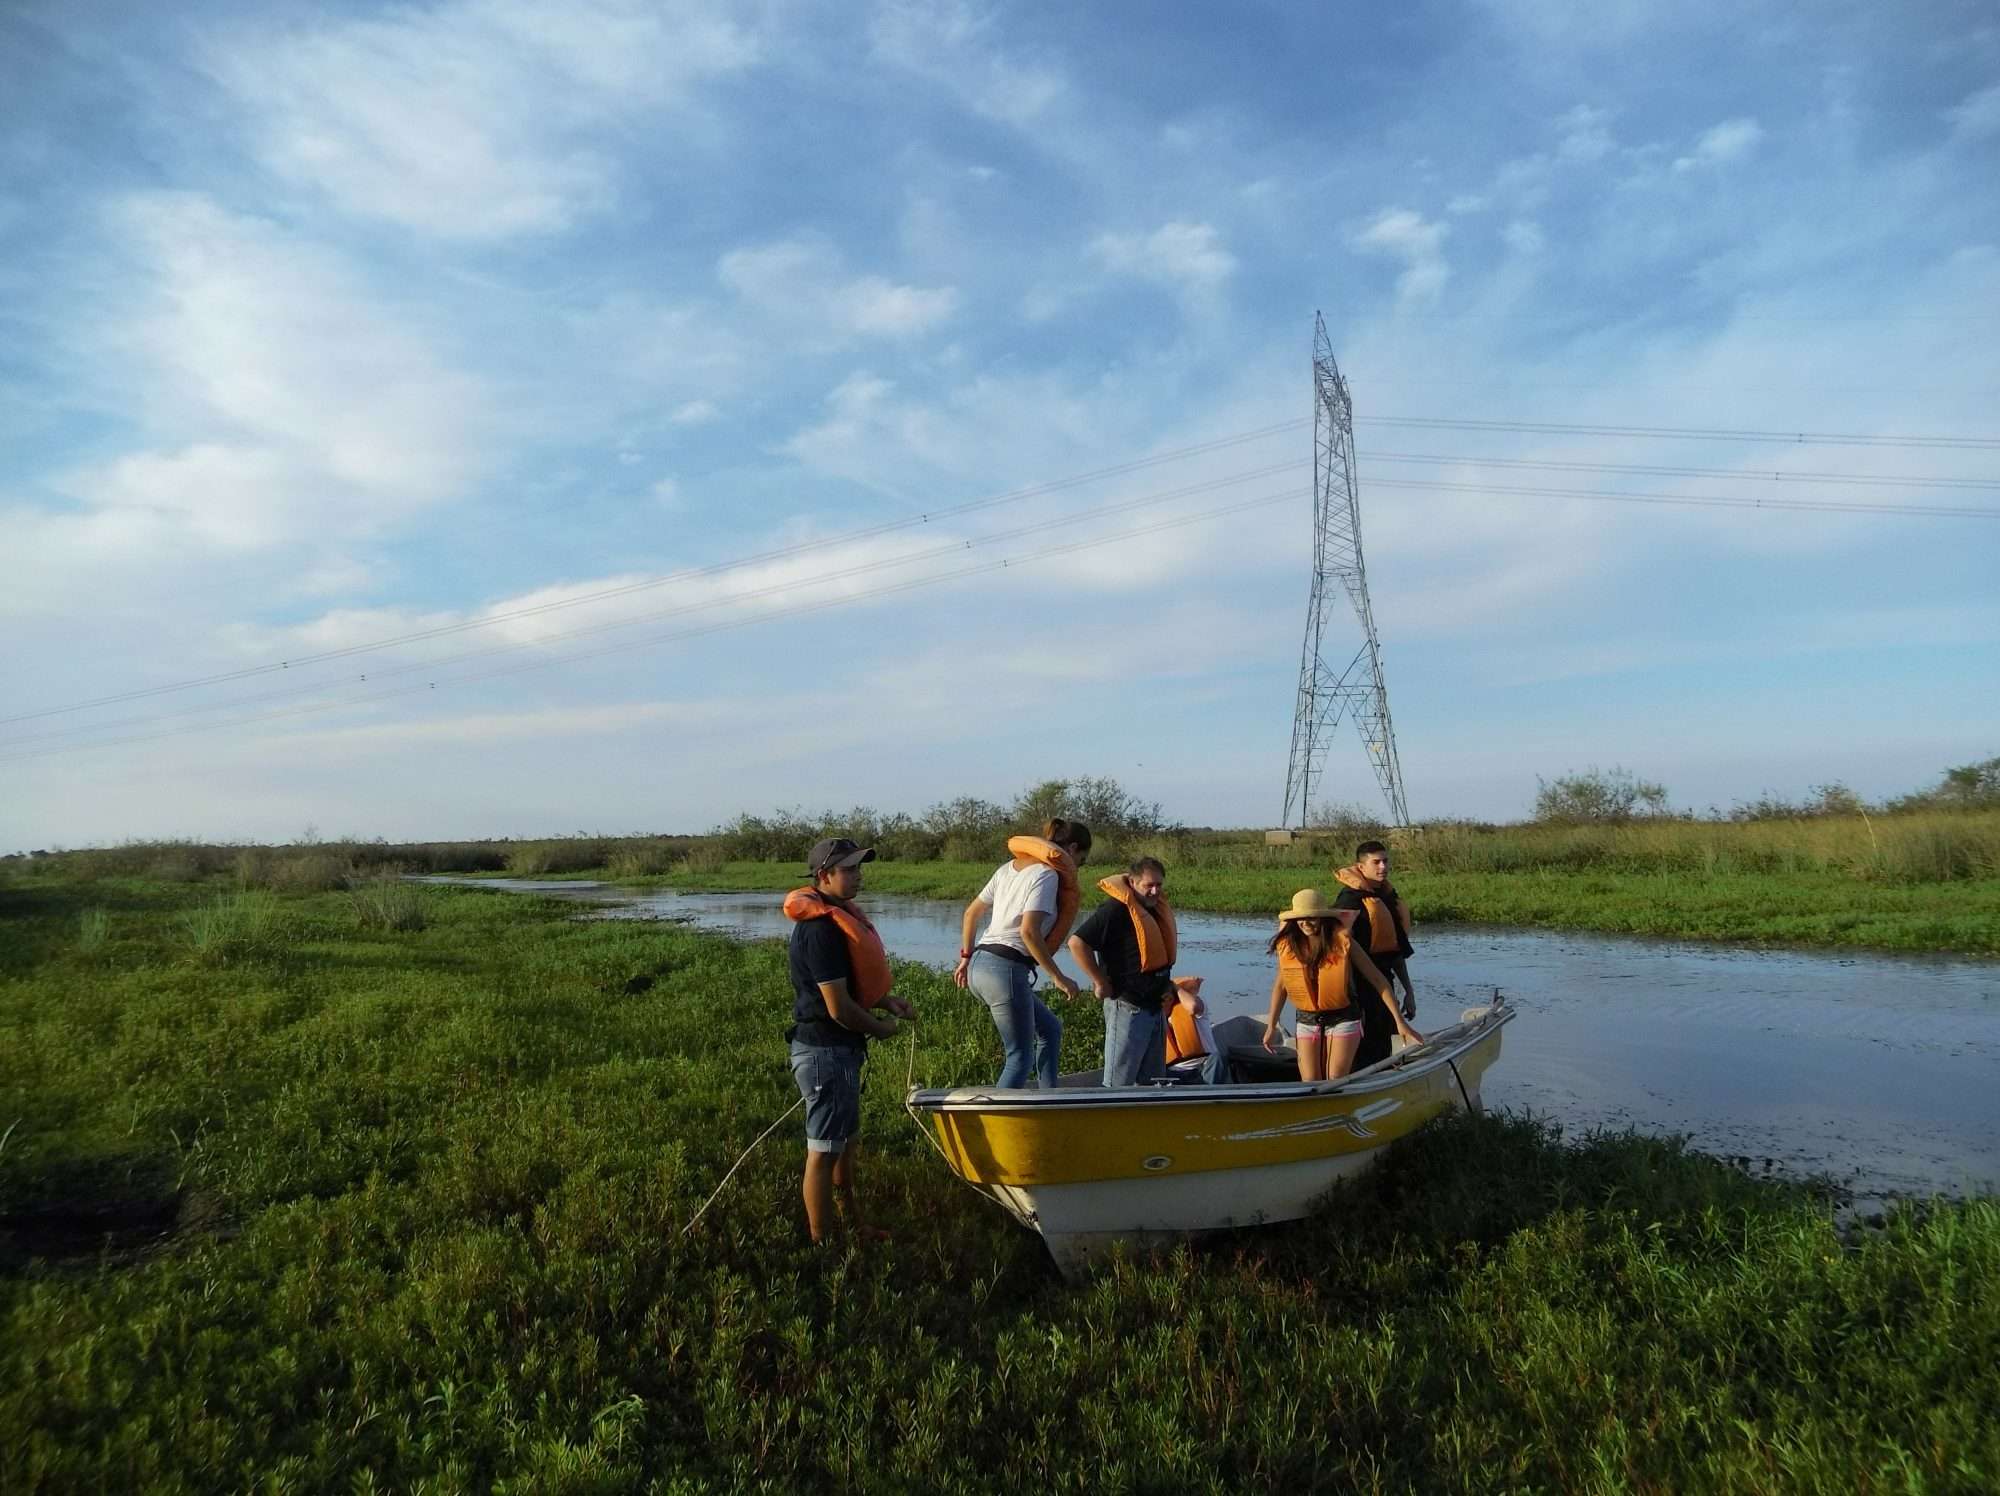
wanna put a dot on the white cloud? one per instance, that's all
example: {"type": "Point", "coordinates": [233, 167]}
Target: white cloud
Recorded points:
{"type": "Point", "coordinates": [1584, 136]}
{"type": "Point", "coordinates": [695, 413]}
{"type": "Point", "coordinates": [804, 280]}
{"type": "Point", "coordinates": [287, 404]}
{"type": "Point", "coordinates": [1976, 116]}
{"type": "Point", "coordinates": [465, 120]}
{"type": "Point", "coordinates": [1729, 141]}
{"type": "Point", "coordinates": [1418, 242]}
{"type": "Point", "coordinates": [666, 493]}
{"type": "Point", "coordinates": [1467, 202]}
{"type": "Point", "coordinates": [1181, 255]}
{"type": "Point", "coordinates": [234, 498]}
{"type": "Point", "coordinates": [482, 728]}
{"type": "Point", "coordinates": [1523, 236]}
{"type": "Point", "coordinates": [606, 611]}
{"type": "Point", "coordinates": [949, 43]}
{"type": "Point", "coordinates": [874, 306]}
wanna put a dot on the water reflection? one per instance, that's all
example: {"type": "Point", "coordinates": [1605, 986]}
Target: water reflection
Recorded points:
{"type": "Point", "coordinates": [1878, 1070]}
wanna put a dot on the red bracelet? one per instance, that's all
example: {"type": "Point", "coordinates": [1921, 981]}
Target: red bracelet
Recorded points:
{"type": "Point", "coordinates": [964, 955]}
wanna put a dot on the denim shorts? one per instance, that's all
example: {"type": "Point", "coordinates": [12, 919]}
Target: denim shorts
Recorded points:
{"type": "Point", "coordinates": [1339, 1024]}
{"type": "Point", "coordinates": [829, 1077]}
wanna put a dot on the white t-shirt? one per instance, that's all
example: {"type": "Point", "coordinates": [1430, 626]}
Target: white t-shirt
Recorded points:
{"type": "Point", "coordinates": [1013, 892]}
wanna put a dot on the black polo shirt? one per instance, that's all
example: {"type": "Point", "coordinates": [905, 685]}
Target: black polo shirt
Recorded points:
{"type": "Point", "coordinates": [1108, 931]}
{"type": "Point", "coordinates": [819, 954]}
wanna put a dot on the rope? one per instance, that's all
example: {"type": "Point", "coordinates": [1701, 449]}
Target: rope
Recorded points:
{"type": "Point", "coordinates": [924, 1129]}
{"type": "Point", "coordinates": [1469, 1107]}
{"type": "Point", "coordinates": [739, 1164]}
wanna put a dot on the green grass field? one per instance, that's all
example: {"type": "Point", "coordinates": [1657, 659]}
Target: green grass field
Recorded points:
{"type": "Point", "coordinates": [1802, 908]}
{"type": "Point", "coordinates": [314, 1192]}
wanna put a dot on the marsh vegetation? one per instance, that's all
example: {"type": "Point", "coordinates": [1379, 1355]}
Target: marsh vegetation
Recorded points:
{"type": "Point", "coordinates": [375, 1205]}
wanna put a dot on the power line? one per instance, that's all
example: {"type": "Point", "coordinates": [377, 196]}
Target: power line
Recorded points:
{"type": "Point", "coordinates": [1050, 487]}
{"type": "Point", "coordinates": [1707, 501]}
{"type": "Point", "coordinates": [846, 573]}
{"type": "Point", "coordinates": [778, 553]}
{"type": "Point", "coordinates": [779, 589]}
{"type": "Point", "coordinates": [1825, 438]}
{"type": "Point", "coordinates": [1856, 479]}
{"type": "Point", "coordinates": [912, 584]}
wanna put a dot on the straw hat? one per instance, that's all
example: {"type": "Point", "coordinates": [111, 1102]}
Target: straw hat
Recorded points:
{"type": "Point", "coordinates": [1307, 903]}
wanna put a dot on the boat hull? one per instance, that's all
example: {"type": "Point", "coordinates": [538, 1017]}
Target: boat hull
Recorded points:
{"type": "Point", "coordinates": [1089, 1167]}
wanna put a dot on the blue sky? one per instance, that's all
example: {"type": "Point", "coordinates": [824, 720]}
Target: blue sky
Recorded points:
{"type": "Point", "coordinates": [322, 326]}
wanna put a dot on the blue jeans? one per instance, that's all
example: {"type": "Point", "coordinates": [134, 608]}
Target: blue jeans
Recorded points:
{"type": "Point", "coordinates": [1024, 1020]}
{"type": "Point", "coordinates": [1135, 1044]}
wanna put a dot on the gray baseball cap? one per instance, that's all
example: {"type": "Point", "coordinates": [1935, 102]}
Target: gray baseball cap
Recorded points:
{"type": "Point", "coordinates": [836, 851]}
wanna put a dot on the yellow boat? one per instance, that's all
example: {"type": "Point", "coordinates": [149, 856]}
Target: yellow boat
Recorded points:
{"type": "Point", "coordinates": [1088, 1165]}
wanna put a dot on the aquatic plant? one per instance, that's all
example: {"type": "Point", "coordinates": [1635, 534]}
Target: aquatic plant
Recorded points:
{"type": "Point", "coordinates": [356, 1213]}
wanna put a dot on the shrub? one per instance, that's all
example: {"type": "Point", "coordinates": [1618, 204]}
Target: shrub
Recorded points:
{"type": "Point", "coordinates": [1967, 787]}
{"type": "Point", "coordinates": [1597, 796]}
{"type": "Point", "coordinates": [640, 859]}
{"type": "Point", "coordinates": [316, 870]}
{"type": "Point", "coordinates": [704, 857]}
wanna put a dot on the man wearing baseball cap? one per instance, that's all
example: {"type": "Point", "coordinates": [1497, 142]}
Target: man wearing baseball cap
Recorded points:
{"type": "Point", "coordinates": [840, 992]}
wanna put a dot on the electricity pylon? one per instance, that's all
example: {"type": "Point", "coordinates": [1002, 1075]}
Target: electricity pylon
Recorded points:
{"type": "Point", "coordinates": [1357, 690]}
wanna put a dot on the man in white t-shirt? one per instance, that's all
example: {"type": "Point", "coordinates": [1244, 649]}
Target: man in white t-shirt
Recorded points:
{"type": "Point", "coordinates": [1018, 908]}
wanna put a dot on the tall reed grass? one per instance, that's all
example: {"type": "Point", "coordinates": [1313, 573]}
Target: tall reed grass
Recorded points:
{"type": "Point", "coordinates": [384, 901]}
{"type": "Point", "coordinates": [93, 928]}
{"type": "Point", "coordinates": [229, 927]}
{"type": "Point", "coordinates": [1934, 847]}
{"type": "Point", "coordinates": [1919, 846]}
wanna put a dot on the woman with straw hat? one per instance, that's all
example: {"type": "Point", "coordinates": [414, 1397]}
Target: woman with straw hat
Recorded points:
{"type": "Point", "coordinates": [1314, 959]}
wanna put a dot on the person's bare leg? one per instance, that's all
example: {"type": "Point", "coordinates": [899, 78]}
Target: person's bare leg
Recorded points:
{"type": "Point", "coordinates": [843, 1183]}
{"type": "Point", "coordinates": [847, 1196]}
{"type": "Point", "coordinates": [1340, 1054]}
{"type": "Point", "coordinates": [1309, 1055]}
{"type": "Point", "coordinates": [821, 1171]}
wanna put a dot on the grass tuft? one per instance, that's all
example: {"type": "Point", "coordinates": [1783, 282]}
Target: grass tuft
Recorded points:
{"type": "Point", "coordinates": [383, 901]}
{"type": "Point", "coordinates": [229, 927]}
{"type": "Point", "coordinates": [93, 928]}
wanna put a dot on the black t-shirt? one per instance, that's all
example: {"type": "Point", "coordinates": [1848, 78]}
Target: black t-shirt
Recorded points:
{"type": "Point", "coordinates": [1353, 898]}
{"type": "Point", "coordinates": [1108, 931]}
{"type": "Point", "coordinates": [819, 954]}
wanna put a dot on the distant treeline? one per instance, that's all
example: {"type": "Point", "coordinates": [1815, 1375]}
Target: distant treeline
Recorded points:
{"type": "Point", "coordinates": [1587, 821]}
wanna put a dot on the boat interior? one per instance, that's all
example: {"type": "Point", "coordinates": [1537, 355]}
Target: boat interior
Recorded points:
{"type": "Point", "coordinates": [1241, 1039]}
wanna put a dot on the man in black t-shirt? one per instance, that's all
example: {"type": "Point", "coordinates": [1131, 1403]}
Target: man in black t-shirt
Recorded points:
{"type": "Point", "coordinates": [1378, 930]}
{"type": "Point", "coordinates": [829, 1036]}
{"type": "Point", "coordinates": [1106, 946]}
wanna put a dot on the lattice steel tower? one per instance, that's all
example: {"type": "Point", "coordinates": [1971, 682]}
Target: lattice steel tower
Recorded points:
{"type": "Point", "coordinates": [1357, 690]}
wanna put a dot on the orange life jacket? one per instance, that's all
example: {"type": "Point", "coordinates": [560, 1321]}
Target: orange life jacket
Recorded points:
{"type": "Point", "coordinates": [1154, 927]}
{"type": "Point", "coordinates": [1183, 1037]}
{"type": "Point", "coordinates": [866, 960]}
{"type": "Point", "coordinates": [1387, 914]}
{"type": "Point", "coordinates": [1319, 989]}
{"type": "Point", "coordinates": [1027, 849]}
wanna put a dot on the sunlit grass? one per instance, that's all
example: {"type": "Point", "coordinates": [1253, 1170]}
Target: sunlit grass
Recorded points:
{"type": "Point", "coordinates": [1804, 908]}
{"type": "Point", "coordinates": [412, 1205]}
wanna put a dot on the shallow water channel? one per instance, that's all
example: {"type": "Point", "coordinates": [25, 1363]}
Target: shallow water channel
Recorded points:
{"type": "Point", "coordinates": [1880, 1071]}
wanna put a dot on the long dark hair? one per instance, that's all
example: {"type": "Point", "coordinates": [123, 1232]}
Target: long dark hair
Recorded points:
{"type": "Point", "coordinates": [1309, 947]}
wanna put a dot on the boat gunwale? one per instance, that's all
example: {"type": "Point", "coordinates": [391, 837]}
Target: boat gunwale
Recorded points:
{"type": "Point", "coordinates": [1382, 1076]}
